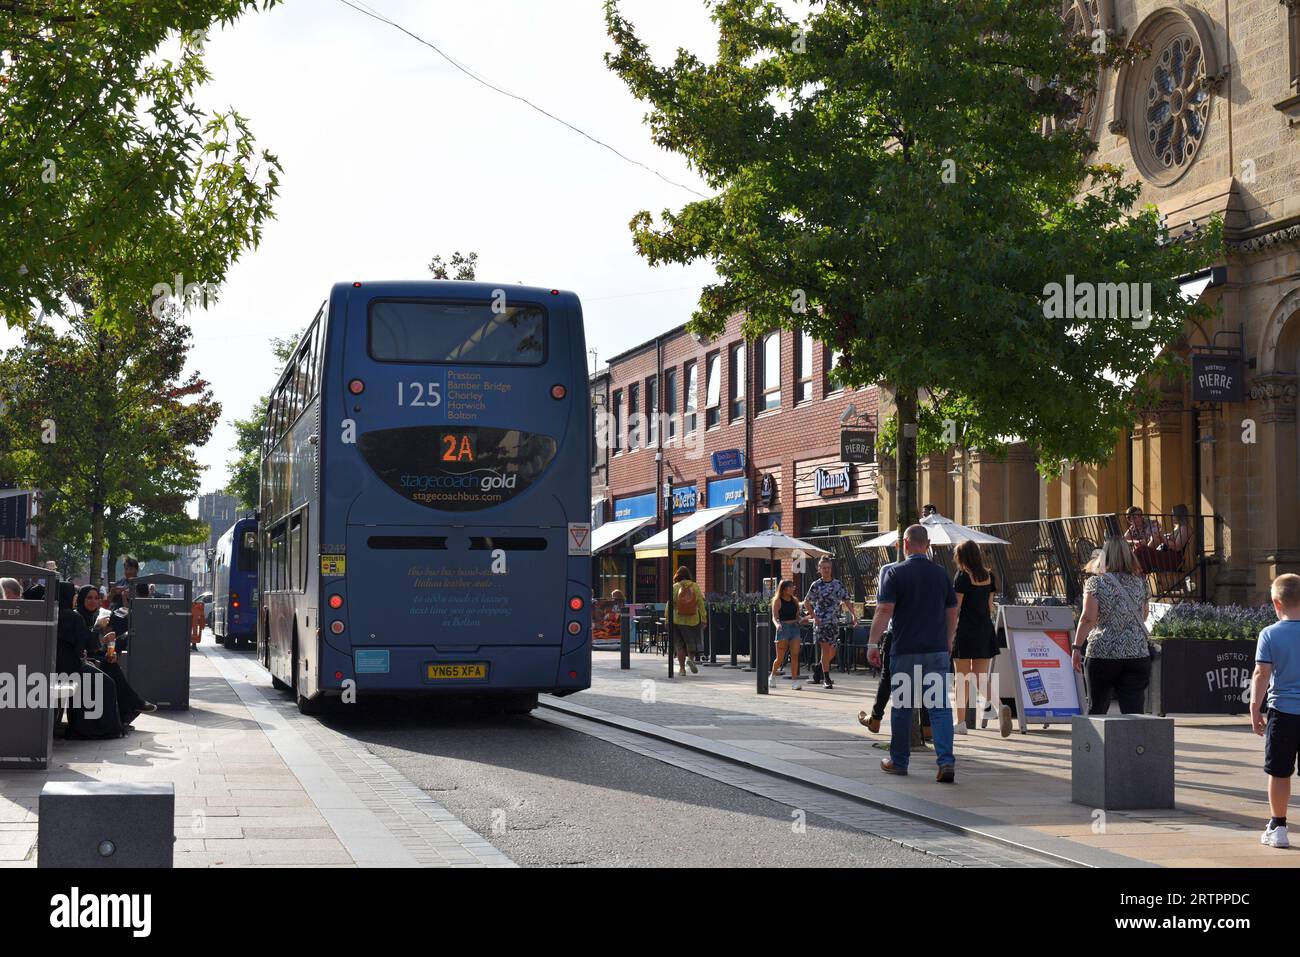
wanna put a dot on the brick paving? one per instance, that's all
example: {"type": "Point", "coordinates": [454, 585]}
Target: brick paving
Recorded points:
{"type": "Point", "coordinates": [257, 784]}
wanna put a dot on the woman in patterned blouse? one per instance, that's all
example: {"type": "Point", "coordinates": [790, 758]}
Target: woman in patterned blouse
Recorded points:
{"type": "Point", "coordinates": [1113, 627]}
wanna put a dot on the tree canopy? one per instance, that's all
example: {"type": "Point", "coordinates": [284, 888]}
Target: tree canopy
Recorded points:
{"type": "Point", "coordinates": [105, 421]}
{"type": "Point", "coordinates": [882, 179]}
{"type": "Point", "coordinates": [109, 172]}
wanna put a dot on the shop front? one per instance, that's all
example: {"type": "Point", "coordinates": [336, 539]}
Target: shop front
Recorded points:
{"type": "Point", "coordinates": [837, 508]}
{"type": "Point", "coordinates": [613, 547]}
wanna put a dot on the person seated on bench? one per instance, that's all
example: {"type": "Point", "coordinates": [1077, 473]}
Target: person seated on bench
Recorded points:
{"type": "Point", "coordinates": [1168, 555]}
{"type": "Point", "coordinates": [74, 640]}
{"type": "Point", "coordinates": [129, 704]}
{"type": "Point", "coordinates": [12, 590]}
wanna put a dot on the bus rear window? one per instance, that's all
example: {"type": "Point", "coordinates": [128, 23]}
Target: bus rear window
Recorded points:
{"type": "Point", "coordinates": [457, 333]}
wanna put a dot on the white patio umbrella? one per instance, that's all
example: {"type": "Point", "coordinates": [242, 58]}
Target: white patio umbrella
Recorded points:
{"type": "Point", "coordinates": [771, 544]}
{"type": "Point", "coordinates": [943, 531]}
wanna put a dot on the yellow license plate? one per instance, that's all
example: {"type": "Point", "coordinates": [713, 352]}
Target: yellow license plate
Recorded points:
{"type": "Point", "coordinates": [473, 671]}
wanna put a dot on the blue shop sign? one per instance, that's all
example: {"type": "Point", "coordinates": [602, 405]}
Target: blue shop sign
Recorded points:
{"type": "Point", "coordinates": [726, 492]}
{"type": "Point", "coordinates": [635, 506]}
{"type": "Point", "coordinates": [686, 500]}
{"type": "Point", "coordinates": [728, 460]}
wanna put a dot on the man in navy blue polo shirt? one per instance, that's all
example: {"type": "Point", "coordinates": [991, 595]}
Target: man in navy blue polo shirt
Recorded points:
{"type": "Point", "coordinates": [918, 596]}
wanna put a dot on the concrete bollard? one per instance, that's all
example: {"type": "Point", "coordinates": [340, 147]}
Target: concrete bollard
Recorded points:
{"type": "Point", "coordinates": [1122, 762]}
{"type": "Point", "coordinates": [105, 824]}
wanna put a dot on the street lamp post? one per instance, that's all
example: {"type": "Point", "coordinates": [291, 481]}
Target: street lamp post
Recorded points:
{"type": "Point", "coordinates": [668, 609]}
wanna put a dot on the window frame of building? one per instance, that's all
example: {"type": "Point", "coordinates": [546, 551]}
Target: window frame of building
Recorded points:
{"type": "Point", "coordinates": [634, 436]}
{"type": "Point", "coordinates": [713, 390]}
{"type": "Point", "coordinates": [1292, 15]}
{"type": "Point", "coordinates": [736, 394]}
{"type": "Point", "coordinates": [616, 410]}
{"type": "Point", "coordinates": [833, 355]}
{"type": "Point", "coordinates": [670, 401]}
{"type": "Point", "coordinates": [771, 385]}
{"type": "Point", "coordinates": [652, 411]}
{"type": "Point", "coordinates": [690, 396]}
{"type": "Point", "coordinates": [832, 519]}
{"type": "Point", "coordinates": [803, 391]}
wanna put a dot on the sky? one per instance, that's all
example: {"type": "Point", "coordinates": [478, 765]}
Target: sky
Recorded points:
{"type": "Point", "coordinates": [392, 155]}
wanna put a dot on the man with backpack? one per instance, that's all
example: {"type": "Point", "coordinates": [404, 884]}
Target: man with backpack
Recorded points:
{"type": "Point", "coordinates": [689, 614]}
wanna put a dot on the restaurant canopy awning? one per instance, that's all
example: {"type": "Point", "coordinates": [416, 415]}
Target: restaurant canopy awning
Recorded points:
{"type": "Point", "coordinates": [611, 533]}
{"type": "Point", "coordinates": [657, 545]}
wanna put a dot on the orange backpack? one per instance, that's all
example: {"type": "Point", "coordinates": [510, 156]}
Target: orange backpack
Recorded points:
{"type": "Point", "coordinates": [685, 604]}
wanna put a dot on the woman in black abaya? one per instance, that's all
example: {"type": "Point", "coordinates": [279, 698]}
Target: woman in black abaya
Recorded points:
{"type": "Point", "coordinates": [129, 703]}
{"type": "Point", "coordinates": [75, 641]}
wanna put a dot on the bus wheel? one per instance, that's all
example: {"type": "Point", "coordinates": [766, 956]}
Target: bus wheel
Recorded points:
{"type": "Point", "coordinates": [279, 685]}
{"type": "Point", "coordinates": [312, 707]}
{"type": "Point", "coordinates": [218, 638]}
{"type": "Point", "coordinates": [520, 703]}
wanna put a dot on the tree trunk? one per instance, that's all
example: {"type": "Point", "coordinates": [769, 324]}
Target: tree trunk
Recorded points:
{"type": "Point", "coordinates": [96, 543]}
{"type": "Point", "coordinates": [906, 401]}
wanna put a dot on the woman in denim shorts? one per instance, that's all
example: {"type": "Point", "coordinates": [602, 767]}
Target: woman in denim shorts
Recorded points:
{"type": "Point", "coordinates": [785, 616]}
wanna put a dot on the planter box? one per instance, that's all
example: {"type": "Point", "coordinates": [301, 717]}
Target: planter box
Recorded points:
{"type": "Point", "coordinates": [1210, 676]}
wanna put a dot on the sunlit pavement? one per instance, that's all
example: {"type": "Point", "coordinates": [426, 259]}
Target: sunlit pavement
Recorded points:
{"type": "Point", "coordinates": [1018, 785]}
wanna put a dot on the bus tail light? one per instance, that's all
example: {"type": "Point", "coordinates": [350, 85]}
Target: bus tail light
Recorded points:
{"type": "Point", "coordinates": [356, 387]}
{"type": "Point", "coordinates": [336, 601]}
{"type": "Point", "coordinates": [574, 628]}
{"type": "Point", "coordinates": [558, 392]}
{"type": "Point", "coordinates": [576, 603]}
{"type": "Point", "coordinates": [336, 627]}
{"type": "Point", "coordinates": [234, 599]}
{"type": "Point", "coordinates": [338, 676]}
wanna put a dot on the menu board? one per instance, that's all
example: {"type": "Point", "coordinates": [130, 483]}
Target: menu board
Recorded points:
{"type": "Point", "coordinates": [1047, 688]}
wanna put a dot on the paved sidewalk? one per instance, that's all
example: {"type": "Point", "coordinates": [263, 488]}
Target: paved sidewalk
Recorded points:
{"type": "Point", "coordinates": [257, 784]}
{"type": "Point", "coordinates": [1016, 789]}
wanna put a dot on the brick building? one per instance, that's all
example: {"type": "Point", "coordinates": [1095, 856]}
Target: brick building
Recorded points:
{"type": "Point", "coordinates": [666, 406]}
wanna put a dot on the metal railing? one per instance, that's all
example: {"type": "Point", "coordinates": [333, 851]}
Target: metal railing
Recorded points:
{"type": "Point", "coordinates": [1045, 560]}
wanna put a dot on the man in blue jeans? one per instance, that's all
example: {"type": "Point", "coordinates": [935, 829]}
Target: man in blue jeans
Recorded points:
{"type": "Point", "coordinates": [917, 595]}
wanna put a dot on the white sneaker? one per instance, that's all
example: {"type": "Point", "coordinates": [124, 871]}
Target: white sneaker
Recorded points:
{"type": "Point", "coordinates": [959, 728]}
{"type": "Point", "coordinates": [796, 685]}
{"type": "Point", "coordinates": [695, 669]}
{"type": "Point", "coordinates": [1275, 837]}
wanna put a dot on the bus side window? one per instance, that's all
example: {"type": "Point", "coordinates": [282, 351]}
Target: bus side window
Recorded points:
{"type": "Point", "coordinates": [295, 553]}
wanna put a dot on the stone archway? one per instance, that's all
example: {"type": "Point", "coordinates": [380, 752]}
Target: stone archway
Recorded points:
{"type": "Point", "coordinates": [1273, 393]}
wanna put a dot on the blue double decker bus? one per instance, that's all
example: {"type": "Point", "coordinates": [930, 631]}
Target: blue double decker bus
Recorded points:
{"type": "Point", "coordinates": [425, 497]}
{"type": "Point", "coordinates": [234, 585]}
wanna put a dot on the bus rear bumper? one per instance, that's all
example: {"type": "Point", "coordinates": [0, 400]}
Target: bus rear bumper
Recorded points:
{"type": "Point", "coordinates": [423, 670]}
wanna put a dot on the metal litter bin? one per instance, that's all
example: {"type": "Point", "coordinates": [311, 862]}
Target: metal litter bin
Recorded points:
{"type": "Point", "coordinates": [28, 646]}
{"type": "Point", "coordinates": [160, 643]}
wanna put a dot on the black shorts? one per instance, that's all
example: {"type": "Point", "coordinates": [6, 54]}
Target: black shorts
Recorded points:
{"type": "Point", "coordinates": [1281, 743]}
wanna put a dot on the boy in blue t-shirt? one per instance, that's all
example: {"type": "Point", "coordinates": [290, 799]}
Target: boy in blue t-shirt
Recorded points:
{"type": "Point", "coordinates": [1277, 672]}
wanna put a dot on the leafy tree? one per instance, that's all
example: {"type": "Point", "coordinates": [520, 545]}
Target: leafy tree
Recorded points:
{"type": "Point", "coordinates": [104, 420]}
{"type": "Point", "coordinates": [882, 179]}
{"type": "Point", "coordinates": [464, 266]}
{"type": "Point", "coordinates": [108, 169]}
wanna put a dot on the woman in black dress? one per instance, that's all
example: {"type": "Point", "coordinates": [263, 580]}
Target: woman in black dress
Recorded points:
{"type": "Point", "coordinates": [96, 713]}
{"type": "Point", "coordinates": [129, 704]}
{"type": "Point", "coordinates": [976, 642]}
